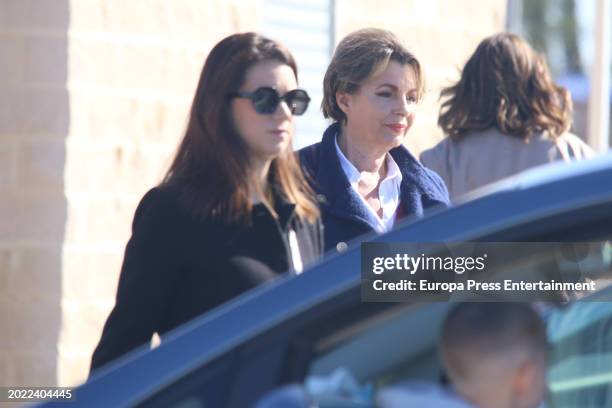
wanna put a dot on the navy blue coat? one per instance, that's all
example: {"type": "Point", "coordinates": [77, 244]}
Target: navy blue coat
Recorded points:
{"type": "Point", "coordinates": [344, 218]}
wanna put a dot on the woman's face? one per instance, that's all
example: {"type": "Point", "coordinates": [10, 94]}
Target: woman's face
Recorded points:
{"type": "Point", "coordinates": [382, 110]}
{"type": "Point", "coordinates": [266, 136]}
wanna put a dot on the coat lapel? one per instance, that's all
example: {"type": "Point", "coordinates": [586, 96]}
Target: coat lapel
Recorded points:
{"type": "Point", "coordinates": [341, 199]}
{"type": "Point", "coordinates": [417, 186]}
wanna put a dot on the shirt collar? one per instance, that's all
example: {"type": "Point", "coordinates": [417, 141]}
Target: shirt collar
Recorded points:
{"type": "Point", "coordinates": [349, 169]}
{"type": "Point", "coordinates": [393, 170]}
{"type": "Point", "coordinates": [353, 175]}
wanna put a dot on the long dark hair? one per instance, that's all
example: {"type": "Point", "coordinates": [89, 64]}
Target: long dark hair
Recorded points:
{"type": "Point", "coordinates": [505, 84]}
{"type": "Point", "coordinates": [211, 166]}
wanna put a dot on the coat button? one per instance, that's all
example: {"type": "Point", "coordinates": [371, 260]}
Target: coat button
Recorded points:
{"type": "Point", "coordinates": [341, 246]}
{"type": "Point", "coordinates": [321, 198]}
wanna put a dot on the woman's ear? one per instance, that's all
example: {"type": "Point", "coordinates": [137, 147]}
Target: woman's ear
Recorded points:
{"type": "Point", "coordinates": [343, 100]}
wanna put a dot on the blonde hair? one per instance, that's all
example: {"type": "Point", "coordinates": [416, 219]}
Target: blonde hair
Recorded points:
{"type": "Point", "coordinates": [357, 56]}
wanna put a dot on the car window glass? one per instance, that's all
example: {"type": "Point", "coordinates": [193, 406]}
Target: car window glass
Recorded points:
{"type": "Point", "coordinates": [403, 346]}
{"type": "Point", "coordinates": [580, 373]}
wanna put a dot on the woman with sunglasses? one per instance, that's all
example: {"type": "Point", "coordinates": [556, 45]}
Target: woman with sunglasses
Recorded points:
{"type": "Point", "coordinates": [233, 210]}
{"type": "Point", "coordinates": [367, 178]}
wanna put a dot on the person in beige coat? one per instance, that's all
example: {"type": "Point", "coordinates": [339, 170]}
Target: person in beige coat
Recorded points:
{"type": "Point", "coordinates": [503, 116]}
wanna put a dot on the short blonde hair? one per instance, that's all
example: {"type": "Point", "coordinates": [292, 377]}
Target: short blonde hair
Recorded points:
{"type": "Point", "coordinates": [359, 55]}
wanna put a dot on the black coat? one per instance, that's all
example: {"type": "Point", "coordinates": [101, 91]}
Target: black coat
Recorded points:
{"type": "Point", "coordinates": [177, 267]}
{"type": "Point", "coordinates": [343, 214]}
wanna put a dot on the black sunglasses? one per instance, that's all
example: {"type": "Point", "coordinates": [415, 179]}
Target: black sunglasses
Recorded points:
{"type": "Point", "coordinates": [265, 100]}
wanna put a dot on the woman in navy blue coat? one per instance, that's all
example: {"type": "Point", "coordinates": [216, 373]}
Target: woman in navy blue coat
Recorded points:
{"type": "Point", "coordinates": [365, 177]}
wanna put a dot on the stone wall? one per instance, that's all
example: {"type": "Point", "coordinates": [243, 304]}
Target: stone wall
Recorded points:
{"type": "Point", "coordinates": [34, 121]}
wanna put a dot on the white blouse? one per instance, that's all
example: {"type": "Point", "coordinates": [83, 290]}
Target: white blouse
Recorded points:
{"type": "Point", "coordinates": [388, 191]}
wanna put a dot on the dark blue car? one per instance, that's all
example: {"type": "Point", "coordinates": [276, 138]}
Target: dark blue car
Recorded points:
{"type": "Point", "coordinates": [310, 325]}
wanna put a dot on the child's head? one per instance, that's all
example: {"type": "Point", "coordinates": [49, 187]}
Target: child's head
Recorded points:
{"type": "Point", "coordinates": [495, 354]}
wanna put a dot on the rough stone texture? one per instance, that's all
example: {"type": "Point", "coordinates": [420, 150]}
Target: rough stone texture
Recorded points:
{"type": "Point", "coordinates": [94, 96]}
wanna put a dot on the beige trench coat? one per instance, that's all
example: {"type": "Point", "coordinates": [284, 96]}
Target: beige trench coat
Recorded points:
{"type": "Point", "coordinates": [481, 158]}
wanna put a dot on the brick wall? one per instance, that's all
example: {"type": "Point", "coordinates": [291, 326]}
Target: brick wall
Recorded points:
{"type": "Point", "coordinates": [34, 123]}
{"type": "Point", "coordinates": [95, 96]}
